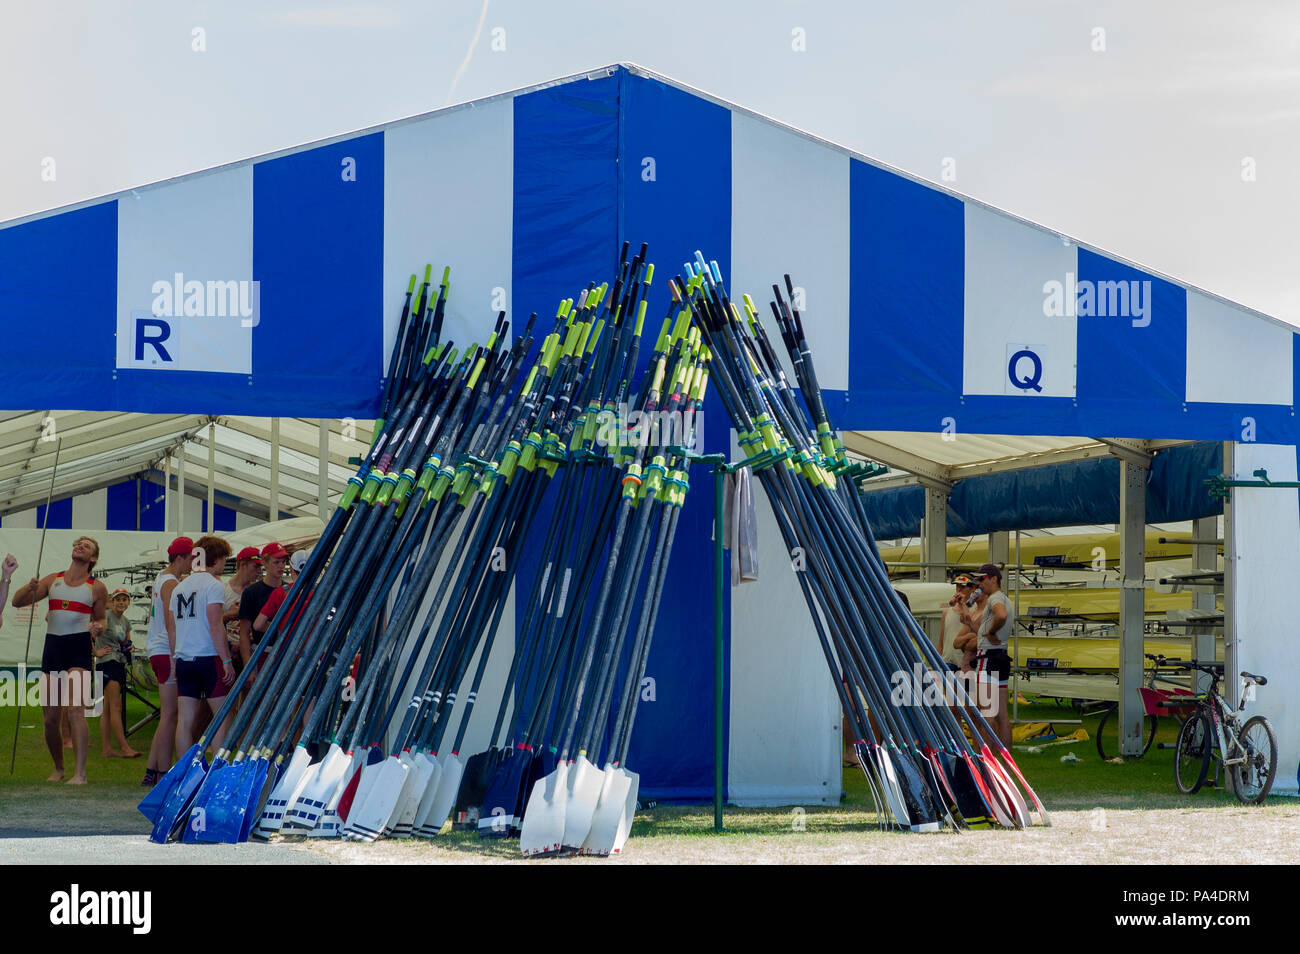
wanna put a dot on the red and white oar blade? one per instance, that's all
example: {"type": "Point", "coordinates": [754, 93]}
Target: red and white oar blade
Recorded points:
{"type": "Point", "coordinates": [306, 809]}
{"type": "Point", "coordinates": [584, 783]}
{"type": "Point", "coordinates": [368, 818]}
{"type": "Point", "coordinates": [285, 792]}
{"type": "Point", "coordinates": [609, 811]}
{"type": "Point", "coordinates": [330, 825]}
{"type": "Point", "coordinates": [453, 770]}
{"type": "Point", "coordinates": [543, 827]}
{"type": "Point", "coordinates": [1010, 794]}
{"type": "Point", "coordinates": [1043, 817]}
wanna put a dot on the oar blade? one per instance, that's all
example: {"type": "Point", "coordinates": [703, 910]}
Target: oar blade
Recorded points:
{"type": "Point", "coordinates": [286, 790]}
{"type": "Point", "coordinates": [453, 769]}
{"type": "Point", "coordinates": [543, 826]}
{"type": "Point", "coordinates": [609, 812]}
{"type": "Point", "coordinates": [367, 820]}
{"type": "Point", "coordinates": [151, 805]}
{"type": "Point", "coordinates": [584, 782]}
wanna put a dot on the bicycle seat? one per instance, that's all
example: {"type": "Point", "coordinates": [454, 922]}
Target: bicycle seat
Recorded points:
{"type": "Point", "coordinates": [1258, 680]}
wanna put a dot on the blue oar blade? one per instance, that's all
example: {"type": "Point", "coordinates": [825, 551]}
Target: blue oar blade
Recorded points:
{"type": "Point", "coordinates": [203, 805]}
{"type": "Point", "coordinates": [151, 805]}
{"type": "Point", "coordinates": [175, 810]}
{"type": "Point", "coordinates": [225, 801]}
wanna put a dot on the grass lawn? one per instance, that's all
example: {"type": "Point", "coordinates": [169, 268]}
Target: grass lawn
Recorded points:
{"type": "Point", "coordinates": [1141, 818]}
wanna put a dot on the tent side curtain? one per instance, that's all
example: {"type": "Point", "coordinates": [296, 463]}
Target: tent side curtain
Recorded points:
{"type": "Point", "coordinates": [1061, 495]}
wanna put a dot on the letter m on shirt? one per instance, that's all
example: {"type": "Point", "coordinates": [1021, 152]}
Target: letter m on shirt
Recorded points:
{"type": "Point", "coordinates": [185, 606]}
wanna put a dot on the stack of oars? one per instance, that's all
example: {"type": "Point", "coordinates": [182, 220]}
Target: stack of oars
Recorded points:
{"type": "Point", "coordinates": [344, 725]}
{"type": "Point", "coordinates": [922, 768]}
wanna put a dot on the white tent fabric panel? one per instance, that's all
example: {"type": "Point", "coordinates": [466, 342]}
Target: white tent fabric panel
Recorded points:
{"type": "Point", "coordinates": [1007, 265]}
{"type": "Point", "coordinates": [784, 729]}
{"type": "Point", "coordinates": [1234, 357]}
{"type": "Point", "coordinates": [203, 227]}
{"type": "Point", "coordinates": [448, 198]}
{"type": "Point", "coordinates": [790, 213]}
{"type": "Point", "coordinates": [1265, 552]}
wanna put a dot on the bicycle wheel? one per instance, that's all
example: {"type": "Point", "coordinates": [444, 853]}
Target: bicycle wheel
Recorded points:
{"type": "Point", "coordinates": [1108, 742]}
{"type": "Point", "coordinates": [1192, 754]}
{"type": "Point", "coordinates": [1252, 780]}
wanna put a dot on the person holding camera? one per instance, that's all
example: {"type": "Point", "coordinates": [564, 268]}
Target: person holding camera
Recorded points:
{"type": "Point", "coordinates": [112, 647]}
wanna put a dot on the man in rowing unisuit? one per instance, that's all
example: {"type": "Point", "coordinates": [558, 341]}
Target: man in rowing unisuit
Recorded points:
{"type": "Point", "coordinates": [75, 616]}
{"type": "Point", "coordinates": [994, 625]}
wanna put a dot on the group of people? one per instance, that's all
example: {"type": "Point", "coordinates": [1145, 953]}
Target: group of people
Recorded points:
{"type": "Point", "coordinates": [977, 626]}
{"type": "Point", "coordinates": [201, 632]}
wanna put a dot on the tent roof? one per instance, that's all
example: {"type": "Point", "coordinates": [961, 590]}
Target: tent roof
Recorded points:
{"type": "Point", "coordinates": [637, 70]}
{"type": "Point", "coordinates": [940, 460]}
{"type": "Point", "coordinates": [96, 449]}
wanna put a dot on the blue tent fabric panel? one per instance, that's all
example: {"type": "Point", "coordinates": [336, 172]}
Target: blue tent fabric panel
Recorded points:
{"type": "Point", "coordinates": [564, 232]}
{"type": "Point", "coordinates": [672, 747]}
{"type": "Point", "coordinates": [1075, 493]}
{"type": "Point", "coordinates": [60, 515]}
{"type": "Point", "coordinates": [1142, 363]}
{"type": "Point", "coordinates": [61, 269]}
{"type": "Point", "coordinates": [120, 510]}
{"type": "Point", "coordinates": [906, 297]}
{"type": "Point", "coordinates": [318, 246]}
{"type": "Point", "coordinates": [1177, 489]}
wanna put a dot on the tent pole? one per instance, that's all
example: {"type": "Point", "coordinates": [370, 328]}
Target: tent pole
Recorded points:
{"type": "Point", "coordinates": [719, 590]}
{"type": "Point", "coordinates": [180, 492]}
{"type": "Point", "coordinates": [1132, 602]}
{"type": "Point", "coordinates": [274, 503]}
{"type": "Point", "coordinates": [212, 477]}
{"type": "Point", "coordinates": [167, 493]}
{"type": "Point", "coordinates": [323, 472]}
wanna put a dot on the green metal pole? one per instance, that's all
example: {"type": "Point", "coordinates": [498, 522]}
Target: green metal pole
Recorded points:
{"type": "Point", "coordinates": [719, 591]}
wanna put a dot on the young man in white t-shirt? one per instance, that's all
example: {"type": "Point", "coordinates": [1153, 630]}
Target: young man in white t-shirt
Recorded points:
{"type": "Point", "coordinates": [204, 671]}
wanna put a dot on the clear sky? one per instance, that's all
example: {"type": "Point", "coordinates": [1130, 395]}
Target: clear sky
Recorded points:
{"type": "Point", "coordinates": [1165, 132]}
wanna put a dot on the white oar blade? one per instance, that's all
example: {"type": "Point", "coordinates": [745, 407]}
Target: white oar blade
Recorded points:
{"type": "Point", "coordinates": [306, 809]}
{"type": "Point", "coordinates": [400, 824]}
{"type": "Point", "coordinates": [609, 809]}
{"type": "Point", "coordinates": [585, 781]}
{"type": "Point", "coordinates": [543, 827]}
{"type": "Point", "coordinates": [425, 808]}
{"type": "Point", "coordinates": [285, 792]}
{"type": "Point", "coordinates": [629, 812]}
{"type": "Point", "coordinates": [453, 770]}
{"type": "Point", "coordinates": [367, 822]}
{"type": "Point", "coordinates": [330, 825]}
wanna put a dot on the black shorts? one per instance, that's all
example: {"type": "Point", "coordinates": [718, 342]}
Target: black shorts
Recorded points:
{"type": "Point", "coordinates": [64, 653]}
{"type": "Point", "coordinates": [200, 678]}
{"type": "Point", "coordinates": [996, 663]}
{"type": "Point", "coordinates": [113, 671]}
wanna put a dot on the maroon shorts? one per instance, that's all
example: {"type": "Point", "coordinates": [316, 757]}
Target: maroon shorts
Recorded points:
{"type": "Point", "coordinates": [161, 666]}
{"type": "Point", "coordinates": [200, 678]}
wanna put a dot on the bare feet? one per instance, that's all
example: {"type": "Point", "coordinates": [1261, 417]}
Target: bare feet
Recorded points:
{"type": "Point", "coordinates": [131, 754]}
{"type": "Point", "coordinates": [108, 754]}
{"type": "Point", "coordinates": [76, 780]}
{"type": "Point", "coordinates": [67, 743]}
{"type": "Point", "coordinates": [56, 776]}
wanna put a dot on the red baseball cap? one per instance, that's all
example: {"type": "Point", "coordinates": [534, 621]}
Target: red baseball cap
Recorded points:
{"type": "Point", "coordinates": [248, 553]}
{"type": "Point", "coordinates": [181, 546]}
{"type": "Point", "coordinates": [273, 551]}
{"type": "Point", "coordinates": [120, 592]}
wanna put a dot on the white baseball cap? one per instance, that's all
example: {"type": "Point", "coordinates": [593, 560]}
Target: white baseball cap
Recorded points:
{"type": "Point", "coordinates": [298, 560]}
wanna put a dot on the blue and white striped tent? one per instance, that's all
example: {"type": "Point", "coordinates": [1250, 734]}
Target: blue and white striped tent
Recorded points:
{"type": "Point", "coordinates": [926, 310]}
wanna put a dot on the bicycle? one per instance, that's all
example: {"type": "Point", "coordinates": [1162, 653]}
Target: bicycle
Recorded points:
{"type": "Point", "coordinates": [1215, 731]}
{"type": "Point", "coordinates": [1156, 701]}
